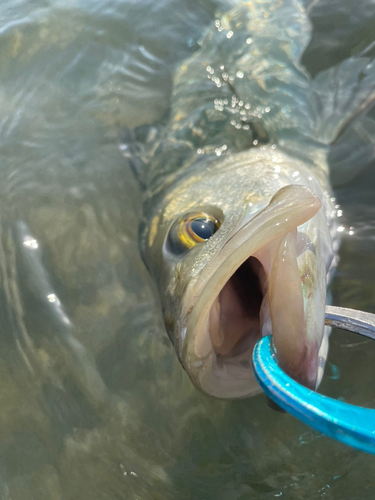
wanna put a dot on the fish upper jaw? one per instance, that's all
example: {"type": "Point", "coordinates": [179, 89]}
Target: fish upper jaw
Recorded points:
{"type": "Point", "coordinates": [229, 315]}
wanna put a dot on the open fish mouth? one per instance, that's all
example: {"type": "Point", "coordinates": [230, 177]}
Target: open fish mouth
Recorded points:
{"type": "Point", "coordinates": [267, 278]}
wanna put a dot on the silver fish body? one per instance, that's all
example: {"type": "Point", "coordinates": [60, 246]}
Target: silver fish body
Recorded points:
{"type": "Point", "coordinates": [245, 154]}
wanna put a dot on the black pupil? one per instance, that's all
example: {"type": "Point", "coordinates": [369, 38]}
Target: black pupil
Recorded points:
{"type": "Point", "coordinates": [203, 228]}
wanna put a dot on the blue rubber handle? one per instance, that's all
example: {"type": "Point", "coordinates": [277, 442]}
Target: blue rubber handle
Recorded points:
{"type": "Point", "coordinates": [350, 424]}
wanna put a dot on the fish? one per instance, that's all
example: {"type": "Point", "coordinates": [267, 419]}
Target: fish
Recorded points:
{"type": "Point", "coordinates": [239, 227]}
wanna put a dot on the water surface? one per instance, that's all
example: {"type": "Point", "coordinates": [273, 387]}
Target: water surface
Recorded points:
{"type": "Point", "coordinates": [93, 403]}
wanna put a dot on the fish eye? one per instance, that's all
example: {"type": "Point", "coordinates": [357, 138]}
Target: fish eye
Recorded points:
{"type": "Point", "coordinates": [191, 229]}
{"type": "Point", "coordinates": [202, 228]}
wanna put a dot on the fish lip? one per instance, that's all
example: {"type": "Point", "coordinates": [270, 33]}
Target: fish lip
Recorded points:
{"type": "Point", "coordinates": [197, 354]}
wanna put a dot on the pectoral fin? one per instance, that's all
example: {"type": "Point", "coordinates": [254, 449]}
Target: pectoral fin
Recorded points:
{"type": "Point", "coordinates": [341, 94]}
{"type": "Point", "coordinates": [354, 150]}
{"type": "Point", "coordinates": [136, 146]}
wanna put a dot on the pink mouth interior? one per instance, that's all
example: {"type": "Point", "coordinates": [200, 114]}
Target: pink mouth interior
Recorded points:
{"type": "Point", "coordinates": [235, 323]}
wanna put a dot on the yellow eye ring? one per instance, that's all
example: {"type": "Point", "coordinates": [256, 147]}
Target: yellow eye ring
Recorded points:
{"type": "Point", "coordinates": [191, 229]}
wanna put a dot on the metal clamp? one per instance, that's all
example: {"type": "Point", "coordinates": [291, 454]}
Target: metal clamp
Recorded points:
{"type": "Point", "coordinates": [350, 424]}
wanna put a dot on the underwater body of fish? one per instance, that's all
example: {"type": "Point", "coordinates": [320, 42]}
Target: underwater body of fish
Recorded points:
{"type": "Point", "coordinates": [238, 226]}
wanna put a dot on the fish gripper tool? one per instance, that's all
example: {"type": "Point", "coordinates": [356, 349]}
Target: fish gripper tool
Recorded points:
{"type": "Point", "coordinates": [353, 425]}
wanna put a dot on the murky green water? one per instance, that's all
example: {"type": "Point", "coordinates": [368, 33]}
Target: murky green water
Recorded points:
{"type": "Point", "coordinates": [93, 403]}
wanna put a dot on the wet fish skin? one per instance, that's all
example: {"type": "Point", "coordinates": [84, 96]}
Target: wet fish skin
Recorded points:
{"type": "Point", "coordinates": [244, 86]}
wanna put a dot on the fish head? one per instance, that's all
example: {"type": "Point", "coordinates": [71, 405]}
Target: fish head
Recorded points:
{"type": "Point", "coordinates": [240, 249]}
